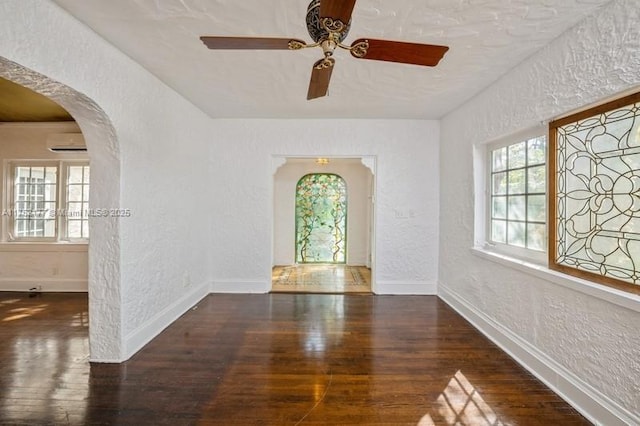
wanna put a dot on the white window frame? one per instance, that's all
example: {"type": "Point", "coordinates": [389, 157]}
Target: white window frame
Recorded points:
{"type": "Point", "coordinates": [8, 222]}
{"type": "Point", "coordinates": [523, 253]}
{"type": "Point", "coordinates": [63, 222]}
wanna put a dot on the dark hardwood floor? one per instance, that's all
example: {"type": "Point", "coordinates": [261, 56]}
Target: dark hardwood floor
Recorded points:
{"type": "Point", "coordinates": [277, 359]}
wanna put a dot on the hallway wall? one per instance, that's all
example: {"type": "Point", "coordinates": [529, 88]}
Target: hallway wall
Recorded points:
{"type": "Point", "coordinates": [582, 339]}
{"type": "Point", "coordinates": [406, 208]}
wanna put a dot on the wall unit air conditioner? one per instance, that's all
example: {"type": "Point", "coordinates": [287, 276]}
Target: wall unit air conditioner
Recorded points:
{"type": "Point", "coordinates": [66, 142]}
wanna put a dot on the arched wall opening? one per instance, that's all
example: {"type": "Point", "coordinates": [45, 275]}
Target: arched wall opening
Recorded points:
{"type": "Point", "coordinates": [105, 333]}
{"type": "Point", "coordinates": [359, 175]}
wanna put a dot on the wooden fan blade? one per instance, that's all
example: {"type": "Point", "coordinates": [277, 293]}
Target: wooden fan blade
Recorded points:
{"type": "Point", "coordinates": [264, 43]}
{"type": "Point", "coordinates": [397, 51]}
{"type": "Point", "coordinates": [337, 9]}
{"type": "Point", "coordinates": [320, 77]}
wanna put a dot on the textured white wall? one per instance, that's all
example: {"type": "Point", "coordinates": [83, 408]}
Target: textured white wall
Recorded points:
{"type": "Point", "coordinates": [54, 267]}
{"type": "Point", "coordinates": [358, 180]}
{"type": "Point", "coordinates": [406, 208]}
{"type": "Point", "coordinates": [596, 343]}
{"type": "Point", "coordinates": [145, 270]}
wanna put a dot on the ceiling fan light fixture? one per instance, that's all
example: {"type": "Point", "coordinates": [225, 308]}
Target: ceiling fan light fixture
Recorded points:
{"type": "Point", "coordinates": [328, 47]}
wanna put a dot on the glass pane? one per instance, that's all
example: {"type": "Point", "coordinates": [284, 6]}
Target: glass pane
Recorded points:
{"type": "Point", "coordinates": [537, 179]}
{"type": "Point", "coordinates": [536, 208]}
{"type": "Point", "coordinates": [51, 175]}
{"type": "Point", "coordinates": [517, 155]}
{"type": "Point", "coordinates": [517, 208]}
{"type": "Point", "coordinates": [74, 210]}
{"type": "Point", "coordinates": [86, 174]}
{"type": "Point", "coordinates": [516, 234]}
{"type": "Point", "coordinates": [499, 231]}
{"type": "Point", "coordinates": [36, 189]}
{"type": "Point", "coordinates": [499, 208]}
{"type": "Point", "coordinates": [517, 181]}
{"type": "Point", "coordinates": [536, 237]}
{"type": "Point", "coordinates": [85, 192]}
{"type": "Point", "coordinates": [22, 174]}
{"type": "Point", "coordinates": [50, 192]}
{"type": "Point", "coordinates": [37, 173]}
{"type": "Point", "coordinates": [499, 159]}
{"type": "Point", "coordinates": [321, 215]}
{"type": "Point", "coordinates": [20, 228]}
{"type": "Point", "coordinates": [74, 192]}
{"type": "Point", "coordinates": [536, 150]}
{"type": "Point", "coordinates": [75, 174]}
{"type": "Point", "coordinates": [49, 228]}
{"type": "Point", "coordinates": [499, 184]}
{"type": "Point", "coordinates": [49, 211]}
{"type": "Point", "coordinates": [74, 228]}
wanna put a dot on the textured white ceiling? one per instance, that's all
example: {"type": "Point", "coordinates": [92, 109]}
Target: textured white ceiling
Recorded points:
{"type": "Point", "coordinates": [486, 37]}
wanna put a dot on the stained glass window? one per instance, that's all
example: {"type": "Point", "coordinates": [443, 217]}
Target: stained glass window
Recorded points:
{"type": "Point", "coordinates": [596, 193]}
{"type": "Point", "coordinates": [321, 219]}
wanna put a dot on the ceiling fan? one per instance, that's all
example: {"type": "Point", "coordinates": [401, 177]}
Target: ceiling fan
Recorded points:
{"type": "Point", "coordinates": [328, 23]}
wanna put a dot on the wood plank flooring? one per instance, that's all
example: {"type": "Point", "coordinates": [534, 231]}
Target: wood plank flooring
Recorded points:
{"type": "Point", "coordinates": [276, 359]}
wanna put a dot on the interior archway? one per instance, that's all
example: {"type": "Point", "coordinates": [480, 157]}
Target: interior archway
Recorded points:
{"type": "Point", "coordinates": [355, 272]}
{"type": "Point", "coordinates": [105, 333]}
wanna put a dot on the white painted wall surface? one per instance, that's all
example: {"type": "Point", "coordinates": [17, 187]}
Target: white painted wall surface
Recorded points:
{"type": "Point", "coordinates": [358, 180]}
{"type": "Point", "coordinates": [587, 348]}
{"type": "Point", "coordinates": [147, 269]}
{"type": "Point", "coordinates": [406, 209]}
{"type": "Point", "coordinates": [53, 267]}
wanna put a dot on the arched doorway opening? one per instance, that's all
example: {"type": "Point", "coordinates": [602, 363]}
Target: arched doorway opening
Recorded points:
{"type": "Point", "coordinates": [105, 335]}
{"type": "Point", "coordinates": [300, 269]}
{"type": "Point", "coordinates": [321, 219]}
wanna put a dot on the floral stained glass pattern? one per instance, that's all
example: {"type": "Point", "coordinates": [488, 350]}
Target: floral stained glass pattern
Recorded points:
{"type": "Point", "coordinates": [321, 219]}
{"type": "Point", "coordinates": [597, 200]}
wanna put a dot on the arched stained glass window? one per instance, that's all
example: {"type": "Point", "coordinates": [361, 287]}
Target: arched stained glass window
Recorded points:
{"type": "Point", "coordinates": [321, 219]}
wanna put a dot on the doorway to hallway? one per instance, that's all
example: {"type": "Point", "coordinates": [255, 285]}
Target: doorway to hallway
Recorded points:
{"type": "Point", "coordinates": [323, 225]}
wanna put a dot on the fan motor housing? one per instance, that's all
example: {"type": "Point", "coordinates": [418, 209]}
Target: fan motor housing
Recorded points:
{"type": "Point", "coordinates": [317, 32]}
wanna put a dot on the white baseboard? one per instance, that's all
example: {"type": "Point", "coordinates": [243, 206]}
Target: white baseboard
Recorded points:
{"type": "Point", "coordinates": [593, 404]}
{"type": "Point", "coordinates": [65, 285]}
{"type": "Point", "coordinates": [136, 340]}
{"type": "Point", "coordinates": [240, 286]}
{"type": "Point", "coordinates": [418, 288]}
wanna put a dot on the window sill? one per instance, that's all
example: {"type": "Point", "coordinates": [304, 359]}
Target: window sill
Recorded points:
{"type": "Point", "coordinates": [612, 295]}
{"type": "Point", "coordinates": [34, 246]}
